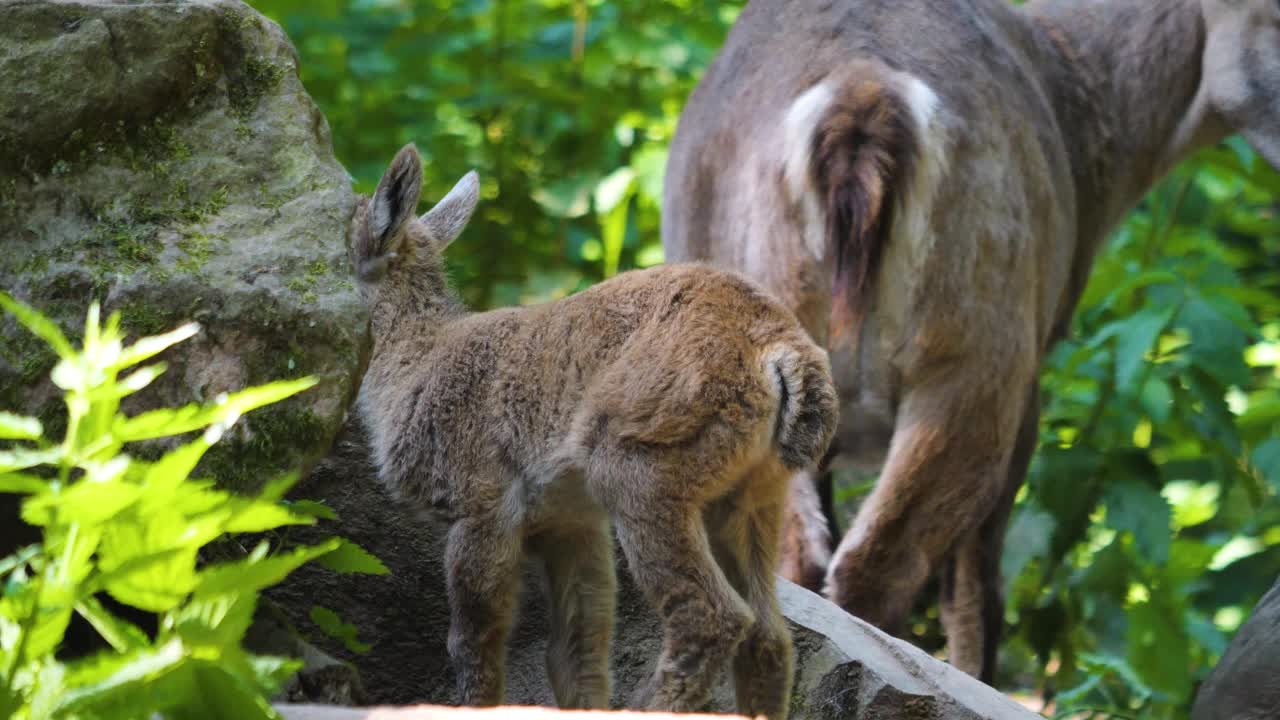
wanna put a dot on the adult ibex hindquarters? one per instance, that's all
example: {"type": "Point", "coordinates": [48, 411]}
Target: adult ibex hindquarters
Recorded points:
{"type": "Point", "coordinates": [675, 401]}
{"type": "Point", "coordinates": [952, 166]}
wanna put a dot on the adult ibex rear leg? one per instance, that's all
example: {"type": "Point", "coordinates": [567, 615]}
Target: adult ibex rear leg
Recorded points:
{"type": "Point", "coordinates": [947, 467]}
{"type": "Point", "coordinates": [972, 597]}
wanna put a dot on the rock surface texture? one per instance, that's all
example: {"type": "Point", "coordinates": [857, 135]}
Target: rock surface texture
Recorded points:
{"type": "Point", "coordinates": [163, 158]}
{"type": "Point", "coordinates": [845, 668]}
{"type": "Point", "coordinates": [1245, 684]}
{"type": "Point", "coordinates": [437, 712]}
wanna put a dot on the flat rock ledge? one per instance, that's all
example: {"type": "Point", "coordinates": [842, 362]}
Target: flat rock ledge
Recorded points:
{"type": "Point", "coordinates": [443, 712]}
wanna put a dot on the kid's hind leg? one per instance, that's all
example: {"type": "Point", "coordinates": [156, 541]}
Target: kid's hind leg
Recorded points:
{"type": "Point", "coordinates": [746, 538]}
{"type": "Point", "coordinates": [482, 566]}
{"type": "Point", "coordinates": [703, 619]}
{"type": "Point", "coordinates": [581, 590]}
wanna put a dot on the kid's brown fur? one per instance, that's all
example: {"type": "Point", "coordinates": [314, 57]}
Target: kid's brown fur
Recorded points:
{"type": "Point", "coordinates": [671, 402]}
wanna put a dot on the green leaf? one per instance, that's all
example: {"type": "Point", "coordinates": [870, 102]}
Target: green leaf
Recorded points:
{"type": "Point", "coordinates": [1099, 664]}
{"type": "Point", "coordinates": [1028, 538]}
{"type": "Point", "coordinates": [1057, 476]}
{"type": "Point", "coordinates": [122, 635]}
{"type": "Point", "coordinates": [1072, 696]}
{"type": "Point", "coordinates": [567, 198]}
{"type": "Point", "coordinates": [224, 694]}
{"type": "Point", "coordinates": [45, 634]}
{"type": "Point", "coordinates": [19, 427]}
{"type": "Point", "coordinates": [250, 515]}
{"type": "Point", "coordinates": [164, 422]}
{"type": "Point", "coordinates": [349, 557]}
{"type": "Point", "coordinates": [276, 488]}
{"type": "Point", "coordinates": [23, 458]}
{"type": "Point", "coordinates": [313, 508]}
{"type": "Point", "coordinates": [1136, 336]}
{"type": "Point", "coordinates": [1136, 507]}
{"type": "Point", "coordinates": [1188, 562]}
{"type": "Point", "coordinates": [85, 502]}
{"type": "Point", "coordinates": [1217, 343]}
{"type": "Point", "coordinates": [39, 325]}
{"type": "Point", "coordinates": [216, 620]}
{"type": "Point", "coordinates": [22, 556]}
{"type": "Point", "coordinates": [1159, 648]}
{"type": "Point", "coordinates": [1266, 458]}
{"type": "Point", "coordinates": [256, 573]}
{"type": "Point", "coordinates": [271, 673]}
{"type": "Point", "coordinates": [223, 412]}
{"type": "Point", "coordinates": [1108, 572]}
{"type": "Point", "coordinates": [333, 626]}
{"type": "Point", "coordinates": [175, 466]}
{"type": "Point", "coordinates": [1157, 399]}
{"type": "Point", "coordinates": [139, 379]}
{"type": "Point", "coordinates": [614, 189]}
{"type": "Point", "coordinates": [128, 684]}
{"type": "Point", "coordinates": [21, 484]}
{"type": "Point", "coordinates": [148, 347]}
{"type": "Point", "coordinates": [160, 584]}
{"type": "Point", "coordinates": [136, 563]}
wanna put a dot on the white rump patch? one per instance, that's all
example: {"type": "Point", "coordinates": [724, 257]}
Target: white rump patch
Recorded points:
{"type": "Point", "coordinates": [911, 238]}
{"type": "Point", "coordinates": [916, 204]}
{"type": "Point", "coordinates": [798, 127]}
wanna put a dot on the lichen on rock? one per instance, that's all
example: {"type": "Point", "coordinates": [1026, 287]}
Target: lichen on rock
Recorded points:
{"type": "Point", "coordinates": [165, 160]}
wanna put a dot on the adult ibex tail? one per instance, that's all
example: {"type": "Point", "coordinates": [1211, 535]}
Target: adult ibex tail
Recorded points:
{"type": "Point", "coordinates": [863, 146]}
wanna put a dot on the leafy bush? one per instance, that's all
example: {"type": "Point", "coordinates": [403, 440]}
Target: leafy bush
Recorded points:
{"type": "Point", "coordinates": [1142, 538]}
{"type": "Point", "coordinates": [133, 530]}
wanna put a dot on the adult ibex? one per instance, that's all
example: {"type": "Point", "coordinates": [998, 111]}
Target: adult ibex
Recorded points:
{"type": "Point", "coordinates": [674, 401]}
{"type": "Point", "coordinates": [926, 183]}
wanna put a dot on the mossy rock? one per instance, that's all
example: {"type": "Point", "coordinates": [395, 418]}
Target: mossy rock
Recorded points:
{"type": "Point", "coordinates": [165, 160]}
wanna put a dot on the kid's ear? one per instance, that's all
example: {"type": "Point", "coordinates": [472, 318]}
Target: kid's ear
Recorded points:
{"type": "Point", "coordinates": [396, 199]}
{"type": "Point", "coordinates": [448, 218]}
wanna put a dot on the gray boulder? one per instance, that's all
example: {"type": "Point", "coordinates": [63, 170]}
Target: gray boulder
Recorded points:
{"type": "Point", "coordinates": [163, 158]}
{"type": "Point", "coordinates": [845, 668]}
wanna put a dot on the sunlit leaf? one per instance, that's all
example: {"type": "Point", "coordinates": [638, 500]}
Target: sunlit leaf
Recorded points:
{"type": "Point", "coordinates": [256, 573]}
{"type": "Point", "coordinates": [18, 427]}
{"type": "Point", "coordinates": [224, 410]}
{"type": "Point", "coordinates": [38, 324]}
{"type": "Point", "coordinates": [22, 484]}
{"type": "Point", "coordinates": [85, 502]}
{"type": "Point", "coordinates": [1266, 458]}
{"type": "Point", "coordinates": [122, 682]}
{"type": "Point", "coordinates": [1028, 537]}
{"type": "Point", "coordinates": [1136, 507]}
{"type": "Point", "coordinates": [1159, 647]}
{"type": "Point", "coordinates": [349, 557]}
{"type": "Point", "coordinates": [23, 458]}
{"type": "Point", "coordinates": [122, 635]}
{"type": "Point", "coordinates": [313, 508]}
{"type": "Point", "coordinates": [148, 347]}
{"type": "Point", "coordinates": [249, 516]}
{"type": "Point", "coordinates": [215, 620]}
{"type": "Point", "coordinates": [333, 626]}
{"type": "Point", "coordinates": [1135, 337]}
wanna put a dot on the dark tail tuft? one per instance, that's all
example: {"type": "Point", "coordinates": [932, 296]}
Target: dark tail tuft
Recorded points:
{"type": "Point", "coordinates": [863, 146]}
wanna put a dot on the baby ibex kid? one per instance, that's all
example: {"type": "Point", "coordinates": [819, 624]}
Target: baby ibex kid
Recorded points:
{"type": "Point", "coordinates": [673, 401]}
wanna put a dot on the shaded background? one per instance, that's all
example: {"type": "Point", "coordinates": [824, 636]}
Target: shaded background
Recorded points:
{"type": "Point", "coordinates": [1148, 527]}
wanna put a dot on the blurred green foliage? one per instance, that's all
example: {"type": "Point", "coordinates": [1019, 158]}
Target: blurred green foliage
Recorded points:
{"type": "Point", "coordinates": [1148, 527]}
{"type": "Point", "coordinates": [564, 106]}
{"type": "Point", "coordinates": [116, 526]}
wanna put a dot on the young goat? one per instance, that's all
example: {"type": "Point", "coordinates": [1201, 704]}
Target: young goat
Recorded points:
{"type": "Point", "coordinates": [675, 401]}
